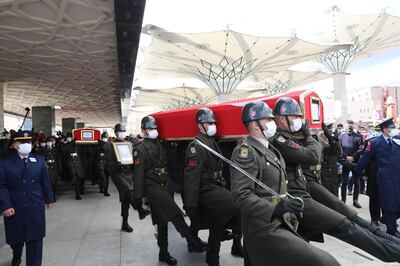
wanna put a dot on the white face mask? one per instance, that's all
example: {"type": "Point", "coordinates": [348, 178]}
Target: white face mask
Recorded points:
{"type": "Point", "coordinates": [121, 135]}
{"type": "Point", "coordinates": [271, 129]}
{"type": "Point", "coordinates": [69, 139]}
{"type": "Point", "coordinates": [42, 144]}
{"type": "Point", "coordinates": [212, 130]}
{"type": "Point", "coordinates": [297, 124]}
{"type": "Point", "coordinates": [24, 148]}
{"type": "Point", "coordinates": [394, 132]}
{"type": "Point", "coordinates": [105, 139]}
{"type": "Point", "coordinates": [153, 134]}
{"type": "Point", "coordinates": [49, 144]}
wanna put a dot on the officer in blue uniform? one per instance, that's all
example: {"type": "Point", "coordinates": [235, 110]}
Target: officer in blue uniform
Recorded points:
{"type": "Point", "coordinates": [25, 192]}
{"type": "Point", "coordinates": [385, 149]}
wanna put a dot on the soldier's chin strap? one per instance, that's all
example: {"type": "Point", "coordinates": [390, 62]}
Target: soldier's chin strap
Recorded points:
{"type": "Point", "coordinates": [288, 123]}
{"type": "Point", "coordinates": [254, 179]}
{"type": "Point", "coordinates": [261, 127]}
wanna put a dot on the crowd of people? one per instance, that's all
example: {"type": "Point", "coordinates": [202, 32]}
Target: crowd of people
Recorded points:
{"type": "Point", "coordinates": [280, 191]}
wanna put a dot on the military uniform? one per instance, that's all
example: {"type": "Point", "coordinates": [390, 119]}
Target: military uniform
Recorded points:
{"type": "Point", "coordinates": [319, 218]}
{"type": "Point", "coordinates": [204, 189]}
{"type": "Point", "coordinates": [262, 234]}
{"type": "Point", "coordinates": [51, 162]}
{"type": "Point", "coordinates": [25, 187]}
{"type": "Point", "coordinates": [151, 179]}
{"type": "Point", "coordinates": [102, 173]}
{"type": "Point", "coordinates": [74, 167]}
{"type": "Point", "coordinates": [329, 173]}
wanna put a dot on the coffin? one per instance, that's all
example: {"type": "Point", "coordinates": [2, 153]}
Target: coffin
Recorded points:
{"type": "Point", "coordinates": [86, 135]}
{"type": "Point", "coordinates": [180, 124]}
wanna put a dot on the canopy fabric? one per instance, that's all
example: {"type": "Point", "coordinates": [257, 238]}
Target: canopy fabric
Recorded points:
{"type": "Point", "coordinates": [223, 60]}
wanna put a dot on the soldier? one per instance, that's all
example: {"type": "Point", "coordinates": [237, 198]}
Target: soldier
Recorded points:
{"type": "Point", "coordinates": [269, 222]}
{"type": "Point", "coordinates": [121, 175]}
{"type": "Point", "coordinates": [50, 155]}
{"type": "Point", "coordinates": [73, 165]}
{"type": "Point", "coordinates": [204, 188]}
{"type": "Point", "coordinates": [299, 155]}
{"type": "Point", "coordinates": [152, 180]}
{"type": "Point", "coordinates": [25, 192]}
{"type": "Point", "coordinates": [101, 165]}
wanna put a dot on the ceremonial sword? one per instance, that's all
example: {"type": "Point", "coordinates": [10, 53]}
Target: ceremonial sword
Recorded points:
{"type": "Point", "coordinates": [255, 180]}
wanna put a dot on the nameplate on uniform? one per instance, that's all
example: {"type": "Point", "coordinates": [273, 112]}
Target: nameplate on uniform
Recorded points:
{"type": "Point", "coordinates": [123, 152]}
{"type": "Point", "coordinates": [33, 160]}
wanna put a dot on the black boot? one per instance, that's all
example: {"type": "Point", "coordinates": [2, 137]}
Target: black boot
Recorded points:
{"type": "Point", "coordinates": [125, 226]}
{"type": "Point", "coordinates": [363, 239]}
{"type": "Point", "coordinates": [78, 197]}
{"type": "Point", "coordinates": [167, 258]}
{"type": "Point", "coordinates": [194, 245]}
{"type": "Point", "coordinates": [374, 228]}
{"type": "Point", "coordinates": [237, 249]}
{"type": "Point", "coordinates": [106, 194]}
{"type": "Point", "coordinates": [143, 213]}
{"type": "Point", "coordinates": [227, 235]}
{"type": "Point", "coordinates": [356, 204]}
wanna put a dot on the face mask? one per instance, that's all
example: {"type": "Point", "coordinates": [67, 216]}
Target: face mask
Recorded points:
{"type": "Point", "coordinates": [121, 135]}
{"type": "Point", "coordinates": [297, 124]}
{"type": "Point", "coordinates": [24, 148]}
{"type": "Point", "coordinates": [212, 130]}
{"type": "Point", "coordinates": [271, 129]}
{"type": "Point", "coordinates": [43, 144]}
{"type": "Point", "coordinates": [49, 144]}
{"type": "Point", "coordinates": [105, 139]}
{"type": "Point", "coordinates": [69, 139]}
{"type": "Point", "coordinates": [153, 134]}
{"type": "Point", "coordinates": [394, 132]}
{"type": "Point", "coordinates": [54, 143]}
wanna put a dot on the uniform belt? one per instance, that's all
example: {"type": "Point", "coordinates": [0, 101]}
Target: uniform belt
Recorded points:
{"type": "Point", "coordinates": [74, 154]}
{"type": "Point", "coordinates": [217, 177]}
{"type": "Point", "coordinates": [160, 171]}
{"type": "Point", "coordinates": [315, 167]}
{"type": "Point", "coordinates": [50, 161]}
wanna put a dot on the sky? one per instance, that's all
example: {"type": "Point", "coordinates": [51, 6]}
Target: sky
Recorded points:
{"type": "Point", "coordinates": [280, 18]}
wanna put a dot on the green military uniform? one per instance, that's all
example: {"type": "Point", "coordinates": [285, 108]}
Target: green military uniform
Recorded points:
{"type": "Point", "coordinates": [313, 177]}
{"type": "Point", "coordinates": [204, 184]}
{"type": "Point", "coordinates": [268, 241]}
{"type": "Point", "coordinates": [74, 167]}
{"type": "Point", "coordinates": [121, 174]}
{"type": "Point", "coordinates": [152, 180]}
{"type": "Point", "coordinates": [102, 173]}
{"type": "Point", "coordinates": [318, 218]}
{"type": "Point", "coordinates": [51, 161]}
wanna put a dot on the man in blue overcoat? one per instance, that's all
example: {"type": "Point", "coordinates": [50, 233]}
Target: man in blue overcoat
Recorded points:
{"type": "Point", "coordinates": [25, 192]}
{"type": "Point", "coordinates": [385, 149]}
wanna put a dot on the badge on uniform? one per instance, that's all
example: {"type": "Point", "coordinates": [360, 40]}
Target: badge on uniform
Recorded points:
{"type": "Point", "coordinates": [33, 160]}
{"type": "Point", "coordinates": [244, 152]}
{"type": "Point", "coordinates": [281, 139]}
{"type": "Point", "coordinates": [193, 149]}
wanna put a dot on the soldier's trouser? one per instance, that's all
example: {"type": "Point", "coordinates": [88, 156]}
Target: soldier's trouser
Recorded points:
{"type": "Point", "coordinates": [33, 252]}
{"type": "Point", "coordinates": [331, 186]}
{"type": "Point", "coordinates": [214, 242]}
{"type": "Point", "coordinates": [162, 238]}
{"type": "Point", "coordinates": [280, 246]}
{"type": "Point", "coordinates": [365, 240]}
{"type": "Point", "coordinates": [181, 226]}
{"type": "Point", "coordinates": [390, 220]}
{"type": "Point", "coordinates": [323, 196]}
{"type": "Point", "coordinates": [125, 207]}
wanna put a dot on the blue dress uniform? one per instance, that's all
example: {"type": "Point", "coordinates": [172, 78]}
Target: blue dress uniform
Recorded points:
{"type": "Point", "coordinates": [25, 186]}
{"type": "Point", "coordinates": [386, 151]}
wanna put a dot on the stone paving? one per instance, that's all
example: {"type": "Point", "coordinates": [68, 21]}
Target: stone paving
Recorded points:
{"type": "Point", "coordinates": [86, 232]}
